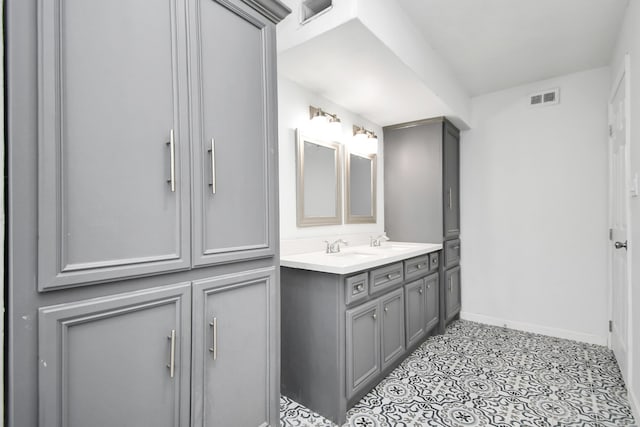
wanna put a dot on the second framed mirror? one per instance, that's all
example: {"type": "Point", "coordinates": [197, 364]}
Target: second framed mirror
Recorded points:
{"type": "Point", "coordinates": [360, 179]}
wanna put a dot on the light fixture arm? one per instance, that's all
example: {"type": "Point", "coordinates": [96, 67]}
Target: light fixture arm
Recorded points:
{"type": "Point", "coordinates": [319, 112]}
{"type": "Point", "coordinates": [360, 130]}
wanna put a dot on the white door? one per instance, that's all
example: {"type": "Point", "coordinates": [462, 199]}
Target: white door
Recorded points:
{"type": "Point", "coordinates": [619, 221]}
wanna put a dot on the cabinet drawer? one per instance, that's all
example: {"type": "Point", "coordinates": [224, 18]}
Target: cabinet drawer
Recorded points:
{"type": "Point", "coordinates": [434, 261]}
{"type": "Point", "coordinates": [416, 267]}
{"type": "Point", "coordinates": [451, 253]}
{"type": "Point", "coordinates": [356, 287]}
{"type": "Point", "coordinates": [385, 277]}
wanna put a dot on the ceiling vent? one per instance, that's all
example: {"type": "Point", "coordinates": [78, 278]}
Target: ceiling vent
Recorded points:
{"type": "Point", "coordinates": [311, 9]}
{"type": "Point", "coordinates": [547, 97]}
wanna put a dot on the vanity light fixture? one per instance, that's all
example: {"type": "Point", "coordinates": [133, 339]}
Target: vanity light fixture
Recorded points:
{"type": "Point", "coordinates": [320, 117]}
{"type": "Point", "coordinates": [366, 141]}
{"type": "Point", "coordinates": [318, 114]}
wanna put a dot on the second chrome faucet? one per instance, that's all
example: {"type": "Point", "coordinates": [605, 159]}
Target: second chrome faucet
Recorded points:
{"type": "Point", "coordinates": [378, 240]}
{"type": "Point", "coordinates": [333, 248]}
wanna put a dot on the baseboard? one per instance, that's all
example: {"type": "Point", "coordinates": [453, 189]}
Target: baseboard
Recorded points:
{"type": "Point", "coordinates": [635, 405]}
{"type": "Point", "coordinates": [536, 329]}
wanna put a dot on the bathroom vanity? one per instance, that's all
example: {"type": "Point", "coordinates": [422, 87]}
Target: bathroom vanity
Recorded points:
{"type": "Point", "coordinates": [349, 318]}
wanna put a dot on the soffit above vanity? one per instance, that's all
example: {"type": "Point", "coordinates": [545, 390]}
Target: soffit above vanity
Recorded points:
{"type": "Point", "coordinates": [367, 57]}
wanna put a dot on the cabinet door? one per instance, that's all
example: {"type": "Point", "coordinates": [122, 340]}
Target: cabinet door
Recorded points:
{"type": "Point", "coordinates": [414, 311]}
{"type": "Point", "coordinates": [432, 301]}
{"type": "Point", "coordinates": [120, 361]}
{"type": "Point", "coordinates": [234, 140]}
{"type": "Point", "coordinates": [451, 182]}
{"type": "Point", "coordinates": [113, 190]}
{"type": "Point", "coordinates": [452, 286]}
{"type": "Point", "coordinates": [392, 329]}
{"type": "Point", "coordinates": [363, 345]}
{"type": "Point", "coordinates": [235, 356]}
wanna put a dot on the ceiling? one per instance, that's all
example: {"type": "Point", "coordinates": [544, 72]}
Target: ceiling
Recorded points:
{"type": "Point", "coordinates": [497, 44]}
{"type": "Point", "coordinates": [482, 46]}
{"type": "Point", "coordinates": [362, 75]}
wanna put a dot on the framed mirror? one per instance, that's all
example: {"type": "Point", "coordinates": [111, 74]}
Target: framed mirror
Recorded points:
{"type": "Point", "coordinates": [319, 181]}
{"type": "Point", "coordinates": [361, 176]}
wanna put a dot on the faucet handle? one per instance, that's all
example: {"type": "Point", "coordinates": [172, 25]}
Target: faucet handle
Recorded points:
{"type": "Point", "coordinates": [328, 247]}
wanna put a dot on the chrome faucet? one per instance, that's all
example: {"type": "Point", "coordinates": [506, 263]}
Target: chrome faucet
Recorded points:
{"type": "Point", "coordinates": [378, 240]}
{"type": "Point", "coordinates": [333, 248]}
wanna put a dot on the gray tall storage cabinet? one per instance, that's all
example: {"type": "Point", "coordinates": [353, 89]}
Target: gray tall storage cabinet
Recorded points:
{"type": "Point", "coordinates": [142, 160]}
{"type": "Point", "coordinates": [422, 196]}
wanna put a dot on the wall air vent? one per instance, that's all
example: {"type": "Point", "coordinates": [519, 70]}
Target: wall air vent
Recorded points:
{"type": "Point", "coordinates": [547, 97]}
{"type": "Point", "coordinates": [310, 9]}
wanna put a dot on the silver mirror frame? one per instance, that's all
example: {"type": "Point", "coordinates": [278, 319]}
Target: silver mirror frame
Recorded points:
{"type": "Point", "coordinates": [361, 219]}
{"type": "Point", "coordinates": [303, 220]}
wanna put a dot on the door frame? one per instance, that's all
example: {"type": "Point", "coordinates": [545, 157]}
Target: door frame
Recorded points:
{"type": "Point", "coordinates": [622, 73]}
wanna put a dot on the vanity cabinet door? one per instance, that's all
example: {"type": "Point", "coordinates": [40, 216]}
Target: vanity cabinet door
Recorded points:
{"type": "Point", "coordinates": [363, 345]}
{"type": "Point", "coordinates": [432, 301]}
{"type": "Point", "coordinates": [234, 139]}
{"type": "Point", "coordinates": [235, 354]}
{"type": "Point", "coordinates": [414, 311]}
{"type": "Point", "coordinates": [113, 147]}
{"type": "Point", "coordinates": [452, 289]}
{"type": "Point", "coordinates": [121, 360]}
{"type": "Point", "coordinates": [392, 328]}
{"type": "Point", "coordinates": [451, 180]}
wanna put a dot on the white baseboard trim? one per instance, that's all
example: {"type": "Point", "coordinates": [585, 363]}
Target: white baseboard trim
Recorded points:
{"type": "Point", "coordinates": [536, 329]}
{"type": "Point", "coordinates": [635, 404]}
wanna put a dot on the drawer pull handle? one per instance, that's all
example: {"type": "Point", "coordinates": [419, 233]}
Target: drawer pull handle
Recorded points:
{"type": "Point", "coordinates": [172, 354]}
{"type": "Point", "coordinates": [419, 266]}
{"type": "Point", "coordinates": [358, 288]}
{"type": "Point", "coordinates": [449, 284]}
{"type": "Point", "coordinates": [393, 276]}
{"type": "Point", "coordinates": [420, 291]}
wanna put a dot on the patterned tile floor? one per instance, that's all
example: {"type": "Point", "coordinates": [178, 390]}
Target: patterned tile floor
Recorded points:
{"type": "Point", "coordinates": [479, 375]}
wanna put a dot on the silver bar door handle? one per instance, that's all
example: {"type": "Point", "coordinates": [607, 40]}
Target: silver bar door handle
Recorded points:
{"type": "Point", "coordinates": [172, 149]}
{"type": "Point", "coordinates": [212, 150]}
{"type": "Point", "coordinates": [214, 339]}
{"type": "Point", "coordinates": [172, 357]}
{"type": "Point", "coordinates": [450, 201]}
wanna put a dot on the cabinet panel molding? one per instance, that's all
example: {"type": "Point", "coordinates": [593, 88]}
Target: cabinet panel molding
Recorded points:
{"type": "Point", "coordinates": [103, 141]}
{"type": "Point", "coordinates": [362, 345]}
{"type": "Point", "coordinates": [116, 351]}
{"type": "Point", "coordinates": [235, 353]}
{"type": "Point", "coordinates": [234, 133]}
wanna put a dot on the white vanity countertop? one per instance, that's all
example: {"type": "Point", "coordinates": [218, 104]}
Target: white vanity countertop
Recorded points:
{"type": "Point", "coordinates": [357, 258]}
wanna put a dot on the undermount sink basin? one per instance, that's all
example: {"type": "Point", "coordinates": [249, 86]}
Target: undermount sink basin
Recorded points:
{"type": "Point", "coordinates": [391, 247]}
{"type": "Point", "coordinates": [355, 255]}
{"type": "Point", "coordinates": [394, 247]}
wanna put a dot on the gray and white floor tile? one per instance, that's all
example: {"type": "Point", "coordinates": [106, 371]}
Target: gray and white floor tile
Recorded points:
{"type": "Point", "coordinates": [479, 375]}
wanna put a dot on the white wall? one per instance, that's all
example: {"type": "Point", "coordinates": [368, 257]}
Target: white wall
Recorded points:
{"type": "Point", "coordinates": [534, 209]}
{"type": "Point", "coordinates": [629, 42]}
{"type": "Point", "coordinates": [293, 113]}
